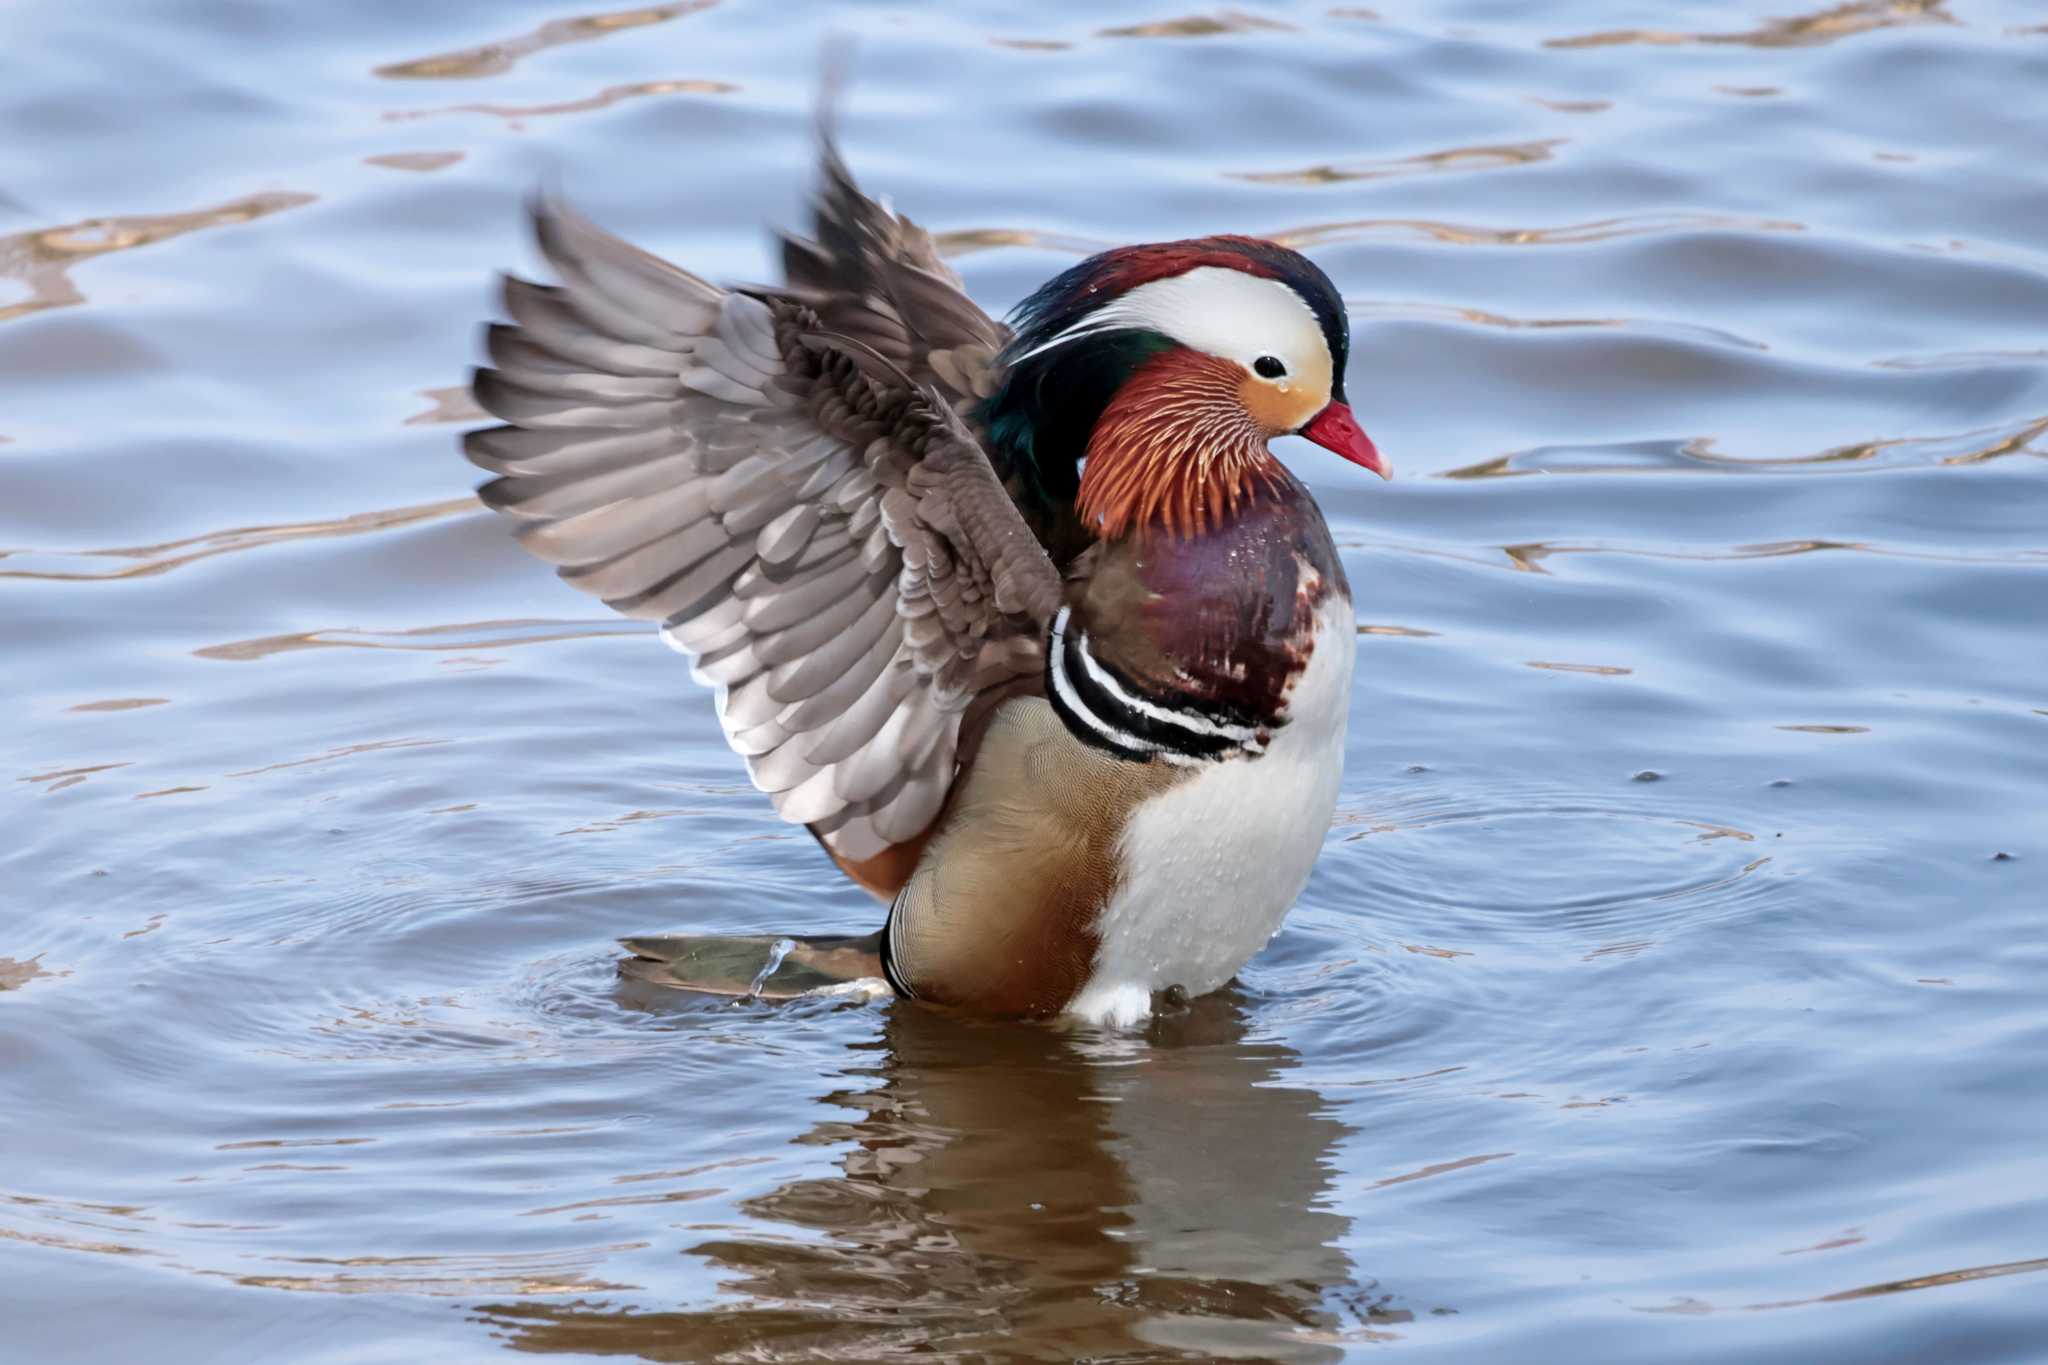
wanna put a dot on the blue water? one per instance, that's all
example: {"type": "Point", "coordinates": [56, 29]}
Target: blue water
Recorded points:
{"type": "Point", "coordinates": [1661, 993]}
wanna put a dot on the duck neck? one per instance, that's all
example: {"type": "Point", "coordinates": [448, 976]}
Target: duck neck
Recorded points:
{"type": "Point", "coordinates": [1175, 451]}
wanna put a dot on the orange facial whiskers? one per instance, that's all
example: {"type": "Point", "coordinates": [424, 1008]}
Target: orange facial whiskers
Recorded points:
{"type": "Point", "coordinates": [1176, 448]}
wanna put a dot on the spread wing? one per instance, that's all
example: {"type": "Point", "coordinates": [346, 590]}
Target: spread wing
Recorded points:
{"type": "Point", "coordinates": [807, 517]}
{"type": "Point", "coordinates": [874, 276]}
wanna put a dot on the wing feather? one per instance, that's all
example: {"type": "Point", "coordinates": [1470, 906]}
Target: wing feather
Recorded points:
{"type": "Point", "coordinates": [613, 528]}
{"type": "Point", "coordinates": [780, 477]}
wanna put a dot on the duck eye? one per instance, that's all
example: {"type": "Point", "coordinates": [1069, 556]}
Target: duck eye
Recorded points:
{"type": "Point", "coordinates": [1268, 367]}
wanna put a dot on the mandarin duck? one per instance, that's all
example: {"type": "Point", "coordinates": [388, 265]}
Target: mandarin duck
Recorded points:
{"type": "Point", "coordinates": [1025, 624]}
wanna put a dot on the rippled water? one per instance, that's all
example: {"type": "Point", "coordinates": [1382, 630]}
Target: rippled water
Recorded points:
{"type": "Point", "coordinates": [1661, 995]}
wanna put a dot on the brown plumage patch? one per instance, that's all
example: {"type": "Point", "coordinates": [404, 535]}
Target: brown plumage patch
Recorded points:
{"type": "Point", "coordinates": [1176, 448]}
{"type": "Point", "coordinates": [883, 875]}
{"type": "Point", "coordinates": [1000, 915]}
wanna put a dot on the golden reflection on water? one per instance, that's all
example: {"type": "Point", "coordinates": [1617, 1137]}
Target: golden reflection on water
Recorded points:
{"type": "Point", "coordinates": [1031, 44]}
{"type": "Point", "coordinates": [1528, 558]}
{"type": "Point", "coordinates": [14, 974]}
{"type": "Point", "coordinates": [610, 95]}
{"type": "Point", "coordinates": [1199, 26]}
{"type": "Point", "coordinates": [492, 59]}
{"type": "Point", "coordinates": [1570, 234]}
{"type": "Point", "coordinates": [459, 1281]}
{"type": "Point", "coordinates": [426, 639]}
{"type": "Point", "coordinates": [1940, 1279]}
{"type": "Point", "coordinates": [1598, 670]}
{"type": "Point", "coordinates": [96, 1220]}
{"type": "Point", "coordinates": [61, 778]}
{"type": "Point", "coordinates": [962, 241]}
{"type": "Point", "coordinates": [1826, 26]}
{"type": "Point", "coordinates": [1449, 312]}
{"type": "Point", "coordinates": [42, 258]}
{"type": "Point", "coordinates": [1307, 237]}
{"type": "Point", "coordinates": [2019, 443]}
{"type": "Point", "coordinates": [342, 751]}
{"type": "Point", "coordinates": [1439, 1168]}
{"type": "Point", "coordinates": [150, 560]}
{"type": "Point", "coordinates": [1486, 158]}
{"type": "Point", "coordinates": [1977, 447]}
{"type": "Point", "coordinates": [1166, 1197]}
{"type": "Point", "coordinates": [119, 704]}
{"type": "Point", "coordinates": [415, 161]}
{"type": "Point", "coordinates": [1992, 445]}
{"type": "Point", "coordinates": [638, 817]}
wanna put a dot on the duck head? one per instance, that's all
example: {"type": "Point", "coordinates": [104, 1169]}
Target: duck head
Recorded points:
{"type": "Point", "coordinates": [1145, 382]}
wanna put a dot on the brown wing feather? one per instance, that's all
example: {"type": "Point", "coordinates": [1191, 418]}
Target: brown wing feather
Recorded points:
{"type": "Point", "coordinates": [806, 515]}
{"type": "Point", "coordinates": [875, 277]}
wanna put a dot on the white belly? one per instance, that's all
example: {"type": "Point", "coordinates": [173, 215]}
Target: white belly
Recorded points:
{"type": "Point", "coordinates": [1212, 866]}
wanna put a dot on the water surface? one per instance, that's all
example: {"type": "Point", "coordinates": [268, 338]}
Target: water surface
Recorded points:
{"type": "Point", "coordinates": [1670, 987]}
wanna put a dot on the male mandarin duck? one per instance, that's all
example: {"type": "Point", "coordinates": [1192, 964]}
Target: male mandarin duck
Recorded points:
{"type": "Point", "coordinates": [1025, 624]}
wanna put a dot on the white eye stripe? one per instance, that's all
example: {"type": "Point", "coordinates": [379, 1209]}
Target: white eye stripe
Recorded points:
{"type": "Point", "coordinates": [1087, 326]}
{"type": "Point", "coordinates": [1219, 310]}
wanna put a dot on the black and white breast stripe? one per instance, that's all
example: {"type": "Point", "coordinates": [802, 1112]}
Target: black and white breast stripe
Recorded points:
{"type": "Point", "coordinates": [891, 968]}
{"type": "Point", "coordinates": [1111, 712]}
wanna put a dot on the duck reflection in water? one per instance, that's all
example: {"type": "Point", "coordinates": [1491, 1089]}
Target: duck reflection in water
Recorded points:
{"type": "Point", "coordinates": [1026, 1193]}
